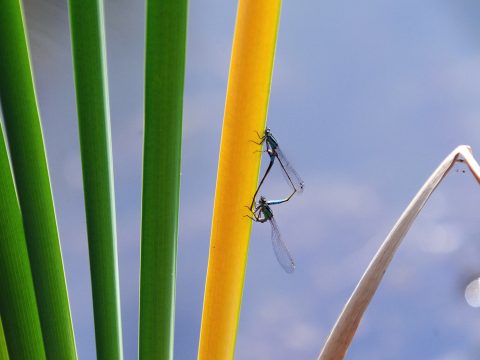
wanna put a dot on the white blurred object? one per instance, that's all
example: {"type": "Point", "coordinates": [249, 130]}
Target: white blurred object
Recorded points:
{"type": "Point", "coordinates": [472, 293]}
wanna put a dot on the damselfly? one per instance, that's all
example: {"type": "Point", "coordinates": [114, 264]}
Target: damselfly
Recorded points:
{"type": "Point", "coordinates": [264, 213]}
{"type": "Point", "coordinates": [274, 152]}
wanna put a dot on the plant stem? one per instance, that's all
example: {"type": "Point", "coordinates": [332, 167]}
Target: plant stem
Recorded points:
{"type": "Point", "coordinates": [245, 113]}
{"type": "Point", "coordinates": [88, 44]}
{"type": "Point", "coordinates": [22, 123]}
{"type": "Point", "coordinates": [18, 307]}
{"type": "Point", "coordinates": [3, 342]}
{"type": "Point", "coordinates": [164, 79]}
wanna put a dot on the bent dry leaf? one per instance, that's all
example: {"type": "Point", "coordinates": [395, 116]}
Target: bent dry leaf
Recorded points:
{"type": "Point", "coordinates": [347, 323]}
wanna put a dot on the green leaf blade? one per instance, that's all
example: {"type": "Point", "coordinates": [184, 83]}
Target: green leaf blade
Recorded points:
{"type": "Point", "coordinates": [20, 324]}
{"type": "Point", "coordinates": [88, 45]}
{"type": "Point", "coordinates": [164, 80]}
{"type": "Point", "coordinates": [27, 150]}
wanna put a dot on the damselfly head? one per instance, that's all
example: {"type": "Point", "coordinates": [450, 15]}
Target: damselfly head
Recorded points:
{"type": "Point", "coordinates": [262, 201]}
{"type": "Point", "coordinates": [267, 131]}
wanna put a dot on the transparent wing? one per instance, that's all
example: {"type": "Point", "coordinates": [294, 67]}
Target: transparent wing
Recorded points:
{"type": "Point", "coordinates": [280, 249]}
{"type": "Point", "coordinates": [289, 172]}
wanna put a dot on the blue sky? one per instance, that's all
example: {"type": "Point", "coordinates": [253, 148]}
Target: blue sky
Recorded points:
{"type": "Point", "coordinates": [367, 98]}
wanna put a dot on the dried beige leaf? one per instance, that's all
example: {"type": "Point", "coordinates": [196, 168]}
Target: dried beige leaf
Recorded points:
{"type": "Point", "coordinates": [347, 323]}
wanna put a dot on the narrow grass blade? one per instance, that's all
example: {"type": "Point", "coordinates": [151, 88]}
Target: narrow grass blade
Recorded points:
{"type": "Point", "coordinates": [3, 342]}
{"type": "Point", "coordinates": [164, 78]}
{"type": "Point", "coordinates": [22, 123]}
{"type": "Point", "coordinates": [347, 323]}
{"type": "Point", "coordinates": [18, 307]}
{"type": "Point", "coordinates": [245, 113]}
{"type": "Point", "coordinates": [88, 44]}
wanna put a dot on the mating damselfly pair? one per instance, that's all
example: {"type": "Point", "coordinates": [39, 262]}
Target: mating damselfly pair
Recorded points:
{"type": "Point", "coordinates": [262, 211]}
